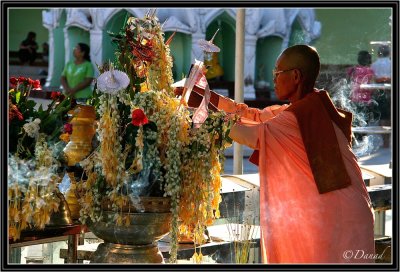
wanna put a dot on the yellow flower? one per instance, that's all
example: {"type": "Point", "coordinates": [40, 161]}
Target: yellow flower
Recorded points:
{"type": "Point", "coordinates": [144, 87]}
{"type": "Point", "coordinates": [197, 257]}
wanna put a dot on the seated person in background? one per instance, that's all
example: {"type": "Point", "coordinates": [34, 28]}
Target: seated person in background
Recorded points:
{"type": "Point", "coordinates": [28, 48]}
{"type": "Point", "coordinates": [382, 67]}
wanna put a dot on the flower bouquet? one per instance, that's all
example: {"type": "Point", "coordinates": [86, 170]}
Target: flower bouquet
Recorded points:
{"type": "Point", "coordinates": [34, 164]}
{"type": "Point", "coordinates": [148, 143]}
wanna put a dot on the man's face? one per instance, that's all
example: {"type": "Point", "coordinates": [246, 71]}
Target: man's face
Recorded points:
{"type": "Point", "coordinates": [283, 75]}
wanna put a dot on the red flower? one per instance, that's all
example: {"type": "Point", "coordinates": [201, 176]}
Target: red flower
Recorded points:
{"type": "Point", "coordinates": [36, 84]}
{"type": "Point", "coordinates": [21, 79]}
{"type": "Point", "coordinates": [56, 95]}
{"type": "Point", "coordinates": [139, 118]}
{"type": "Point", "coordinates": [68, 128]}
{"type": "Point", "coordinates": [13, 81]}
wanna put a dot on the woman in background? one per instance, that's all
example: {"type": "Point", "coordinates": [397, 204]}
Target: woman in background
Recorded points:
{"type": "Point", "coordinates": [78, 74]}
{"type": "Point", "coordinates": [362, 74]}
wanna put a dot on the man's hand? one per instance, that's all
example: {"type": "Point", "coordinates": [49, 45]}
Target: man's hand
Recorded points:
{"type": "Point", "coordinates": [69, 91]}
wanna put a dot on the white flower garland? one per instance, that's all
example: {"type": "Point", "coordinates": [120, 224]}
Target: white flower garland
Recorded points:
{"type": "Point", "coordinates": [32, 128]}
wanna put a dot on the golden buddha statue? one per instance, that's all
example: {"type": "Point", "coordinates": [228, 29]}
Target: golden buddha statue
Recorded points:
{"type": "Point", "coordinates": [214, 70]}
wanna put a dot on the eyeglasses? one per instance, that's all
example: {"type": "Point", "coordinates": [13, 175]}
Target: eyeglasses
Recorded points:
{"type": "Point", "coordinates": [275, 73]}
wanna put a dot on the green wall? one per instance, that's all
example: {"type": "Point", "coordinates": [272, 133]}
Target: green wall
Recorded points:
{"type": "Point", "coordinates": [267, 52]}
{"type": "Point", "coordinates": [297, 35]}
{"type": "Point", "coordinates": [225, 40]}
{"type": "Point", "coordinates": [114, 26]}
{"type": "Point", "coordinates": [21, 21]}
{"type": "Point", "coordinates": [77, 35]}
{"type": "Point", "coordinates": [180, 48]}
{"type": "Point", "coordinates": [346, 31]}
{"type": "Point", "coordinates": [59, 51]}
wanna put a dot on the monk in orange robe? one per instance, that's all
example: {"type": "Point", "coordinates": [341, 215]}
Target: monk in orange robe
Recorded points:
{"type": "Point", "coordinates": [314, 206]}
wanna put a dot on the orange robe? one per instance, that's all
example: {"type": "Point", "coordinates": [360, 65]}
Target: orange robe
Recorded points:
{"type": "Point", "coordinates": [298, 224]}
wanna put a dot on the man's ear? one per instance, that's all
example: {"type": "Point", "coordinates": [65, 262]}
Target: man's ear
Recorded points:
{"type": "Point", "coordinates": [297, 75]}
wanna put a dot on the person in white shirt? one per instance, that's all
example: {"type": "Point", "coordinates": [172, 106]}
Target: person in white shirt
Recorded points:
{"type": "Point", "coordinates": [382, 67]}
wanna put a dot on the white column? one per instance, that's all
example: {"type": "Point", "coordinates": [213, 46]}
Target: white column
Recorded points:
{"type": "Point", "coordinates": [197, 52]}
{"type": "Point", "coordinates": [50, 19]}
{"type": "Point", "coordinates": [50, 70]}
{"type": "Point", "coordinates": [66, 45]}
{"type": "Point", "coordinates": [249, 65]}
{"type": "Point", "coordinates": [96, 49]}
{"type": "Point", "coordinates": [239, 84]}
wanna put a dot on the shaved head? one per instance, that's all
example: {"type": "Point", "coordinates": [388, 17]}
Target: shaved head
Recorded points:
{"type": "Point", "coordinates": [305, 58]}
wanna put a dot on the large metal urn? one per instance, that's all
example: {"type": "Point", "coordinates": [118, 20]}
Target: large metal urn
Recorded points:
{"type": "Point", "coordinates": [150, 220]}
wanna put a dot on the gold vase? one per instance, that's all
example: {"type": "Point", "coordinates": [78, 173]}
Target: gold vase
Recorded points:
{"type": "Point", "coordinates": [78, 148]}
{"type": "Point", "coordinates": [83, 129]}
{"type": "Point", "coordinates": [63, 216]}
{"type": "Point", "coordinates": [137, 242]}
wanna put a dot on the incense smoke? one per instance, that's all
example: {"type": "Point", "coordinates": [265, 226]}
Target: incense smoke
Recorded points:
{"type": "Point", "coordinates": [362, 117]}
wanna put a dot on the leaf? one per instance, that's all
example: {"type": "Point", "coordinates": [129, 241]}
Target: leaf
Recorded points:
{"type": "Point", "coordinates": [131, 132]}
{"type": "Point", "coordinates": [17, 97]}
{"type": "Point", "coordinates": [30, 104]}
{"type": "Point", "coordinates": [151, 125]}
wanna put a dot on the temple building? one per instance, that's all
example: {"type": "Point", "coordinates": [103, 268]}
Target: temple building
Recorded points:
{"type": "Point", "coordinates": [133, 177]}
{"type": "Point", "coordinates": [266, 30]}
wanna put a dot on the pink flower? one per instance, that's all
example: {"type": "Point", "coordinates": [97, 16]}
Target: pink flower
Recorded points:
{"type": "Point", "coordinates": [139, 118]}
